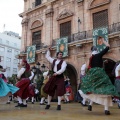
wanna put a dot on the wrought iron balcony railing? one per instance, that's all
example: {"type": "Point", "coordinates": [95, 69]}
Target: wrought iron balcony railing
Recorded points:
{"type": "Point", "coordinates": [115, 27]}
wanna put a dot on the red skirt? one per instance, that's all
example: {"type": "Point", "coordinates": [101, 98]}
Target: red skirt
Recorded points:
{"type": "Point", "coordinates": [57, 84]}
{"type": "Point", "coordinates": [31, 91]}
{"type": "Point", "coordinates": [23, 92]}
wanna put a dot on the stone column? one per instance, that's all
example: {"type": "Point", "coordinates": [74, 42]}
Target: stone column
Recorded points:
{"type": "Point", "coordinates": [49, 25]}
{"type": "Point", "coordinates": [24, 34]}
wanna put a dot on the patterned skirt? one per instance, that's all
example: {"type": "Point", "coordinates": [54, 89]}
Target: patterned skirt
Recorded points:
{"type": "Point", "coordinates": [6, 88]}
{"type": "Point", "coordinates": [117, 84]}
{"type": "Point", "coordinates": [96, 81]}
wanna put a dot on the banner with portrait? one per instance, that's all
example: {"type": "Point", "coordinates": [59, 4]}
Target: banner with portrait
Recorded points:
{"type": "Point", "coordinates": [31, 53]}
{"type": "Point", "coordinates": [99, 35]}
{"type": "Point", "coordinates": [62, 45]}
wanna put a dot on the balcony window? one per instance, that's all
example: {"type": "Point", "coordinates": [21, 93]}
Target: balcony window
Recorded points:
{"type": "Point", "coordinates": [14, 70]}
{"type": "Point", "coordinates": [36, 39]}
{"type": "Point", "coordinates": [9, 50]}
{"type": "Point", "coordinates": [65, 29]}
{"type": "Point", "coordinates": [8, 59]}
{"type": "Point", "coordinates": [15, 44]}
{"type": "Point", "coordinates": [7, 42]}
{"type": "Point", "coordinates": [37, 2]}
{"type": "Point", "coordinates": [8, 69]}
{"type": "Point", "coordinates": [100, 19]}
{"type": "Point", "coordinates": [15, 61]}
{"type": "Point", "coordinates": [16, 52]}
{"type": "Point", "coordinates": [2, 49]}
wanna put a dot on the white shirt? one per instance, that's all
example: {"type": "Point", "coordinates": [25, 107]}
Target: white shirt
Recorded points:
{"type": "Point", "coordinates": [21, 71]}
{"type": "Point", "coordinates": [83, 68]}
{"type": "Point", "coordinates": [117, 71]}
{"type": "Point", "coordinates": [63, 66]}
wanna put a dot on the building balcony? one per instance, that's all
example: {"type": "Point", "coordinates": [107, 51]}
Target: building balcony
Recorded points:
{"type": "Point", "coordinates": [84, 35]}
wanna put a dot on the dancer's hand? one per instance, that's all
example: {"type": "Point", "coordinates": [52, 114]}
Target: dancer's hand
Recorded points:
{"type": "Point", "coordinates": [50, 47]}
{"type": "Point", "coordinates": [106, 43]}
{"type": "Point", "coordinates": [55, 74]}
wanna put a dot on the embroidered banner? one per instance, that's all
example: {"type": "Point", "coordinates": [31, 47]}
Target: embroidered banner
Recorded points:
{"type": "Point", "coordinates": [99, 35]}
{"type": "Point", "coordinates": [62, 45]}
{"type": "Point", "coordinates": [31, 53]}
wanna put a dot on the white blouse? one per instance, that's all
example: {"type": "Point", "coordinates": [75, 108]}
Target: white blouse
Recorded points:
{"type": "Point", "coordinates": [63, 67]}
{"type": "Point", "coordinates": [117, 71]}
{"type": "Point", "coordinates": [21, 71]}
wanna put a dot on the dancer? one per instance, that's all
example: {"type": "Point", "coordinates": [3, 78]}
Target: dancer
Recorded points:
{"type": "Point", "coordinates": [24, 76]}
{"type": "Point", "coordinates": [68, 96]}
{"type": "Point", "coordinates": [56, 82]}
{"type": "Point", "coordinates": [31, 92]}
{"type": "Point", "coordinates": [96, 85]}
{"type": "Point", "coordinates": [82, 74]}
{"type": "Point", "coordinates": [43, 94]}
{"type": "Point", "coordinates": [117, 82]}
{"type": "Point", "coordinates": [5, 88]}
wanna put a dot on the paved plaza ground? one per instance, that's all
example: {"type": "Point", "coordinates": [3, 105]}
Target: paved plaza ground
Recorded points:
{"type": "Point", "coordinates": [71, 111]}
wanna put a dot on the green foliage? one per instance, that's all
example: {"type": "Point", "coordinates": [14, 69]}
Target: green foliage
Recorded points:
{"type": "Point", "coordinates": [12, 79]}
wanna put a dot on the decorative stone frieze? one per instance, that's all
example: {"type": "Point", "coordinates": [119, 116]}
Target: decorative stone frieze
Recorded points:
{"type": "Point", "coordinates": [36, 23]}
{"type": "Point", "coordinates": [64, 14]}
{"type": "Point", "coordinates": [97, 3]}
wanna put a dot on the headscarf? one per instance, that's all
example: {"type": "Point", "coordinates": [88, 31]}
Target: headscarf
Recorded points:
{"type": "Point", "coordinates": [27, 66]}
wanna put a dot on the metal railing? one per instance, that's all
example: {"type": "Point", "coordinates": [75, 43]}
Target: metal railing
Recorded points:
{"type": "Point", "coordinates": [115, 27]}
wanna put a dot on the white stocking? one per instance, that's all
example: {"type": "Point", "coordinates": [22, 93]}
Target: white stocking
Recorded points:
{"type": "Point", "coordinates": [106, 107]}
{"type": "Point", "coordinates": [19, 99]}
{"type": "Point", "coordinates": [84, 100]}
{"type": "Point", "coordinates": [24, 102]}
{"type": "Point", "coordinates": [91, 102]}
{"type": "Point", "coordinates": [59, 100]}
{"type": "Point", "coordinates": [49, 99]}
{"type": "Point", "coordinates": [42, 99]}
{"type": "Point", "coordinates": [32, 99]}
{"type": "Point", "coordinates": [67, 98]}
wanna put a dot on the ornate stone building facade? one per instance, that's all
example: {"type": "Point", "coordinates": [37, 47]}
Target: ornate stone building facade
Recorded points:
{"type": "Point", "coordinates": [46, 20]}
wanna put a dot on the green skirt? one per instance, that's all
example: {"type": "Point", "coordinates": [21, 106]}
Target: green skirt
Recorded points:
{"type": "Point", "coordinates": [96, 81]}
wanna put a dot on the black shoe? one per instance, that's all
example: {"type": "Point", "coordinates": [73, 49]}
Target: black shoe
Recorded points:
{"type": "Point", "coordinates": [59, 107]}
{"type": "Point", "coordinates": [119, 105]}
{"type": "Point", "coordinates": [107, 112]}
{"type": "Point", "coordinates": [23, 105]}
{"type": "Point", "coordinates": [19, 105]}
{"type": "Point", "coordinates": [83, 104]}
{"type": "Point", "coordinates": [32, 102]}
{"type": "Point", "coordinates": [7, 102]}
{"type": "Point", "coordinates": [42, 104]}
{"type": "Point", "coordinates": [47, 107]}
{"type": "Point", "coordinates": [89, 107]}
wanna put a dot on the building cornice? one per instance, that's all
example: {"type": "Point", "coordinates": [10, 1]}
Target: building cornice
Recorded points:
{"type": "Point", "coordinates": [37, 7]}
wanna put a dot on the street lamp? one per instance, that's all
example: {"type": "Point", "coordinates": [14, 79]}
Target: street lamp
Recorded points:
{"type": "Point", "coordinates": [79, 22]}
{"type": "Point", "coordinates": [43, 67]}
{"type": "Point", "coordinates": [38, 65]}
{"type": "Point", "coordinates": [34, 69]}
